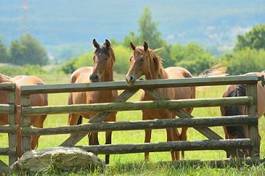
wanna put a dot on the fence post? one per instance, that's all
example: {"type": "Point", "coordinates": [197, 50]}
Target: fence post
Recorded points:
{"type": "Point", "coordinates": [25, 123]}
{"type": "Point", "coordinates": [253, 129]}
{"type": "Point", "coordinates": [12, 123]}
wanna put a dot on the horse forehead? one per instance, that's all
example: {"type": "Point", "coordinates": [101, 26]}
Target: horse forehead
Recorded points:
{"type": "Point", "coordinates": [102, 51]}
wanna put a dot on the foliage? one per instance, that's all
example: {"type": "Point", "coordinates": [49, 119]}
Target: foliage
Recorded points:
{"type": "Point", "coordinates": [148, 31]}
{"type": "Point", "coordinates": [27, 50]}
{"type": "Point", "coordinates": [131, 37]}
{"type": "Point", "coordinates": [254, 39]}
{"type": "Point", "coordinates": [245, 60]}
{"type": "Point", "coordinates": [122, 55]}
{"type": "Point", "coordinates": [22, 70]}
{"type": "Point", "coordinates": [121, 65]}
{"type": "Point", "coordinates": [192, 57]}
{"type": "Point", "coordinates": [3, 53]}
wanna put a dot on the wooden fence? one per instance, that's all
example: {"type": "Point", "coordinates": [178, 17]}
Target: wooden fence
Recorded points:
{"type": "Point", "coordinates": [10, 128]}
{"type": "Point", "coordinates": [214, 142]}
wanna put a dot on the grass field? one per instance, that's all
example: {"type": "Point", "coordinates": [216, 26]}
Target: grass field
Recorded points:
{"type": "Point", "coordinates": [132, 164]}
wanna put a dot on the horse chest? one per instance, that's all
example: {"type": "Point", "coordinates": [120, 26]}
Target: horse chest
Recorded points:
{"type": "Point", "coordinates": [156, 113]}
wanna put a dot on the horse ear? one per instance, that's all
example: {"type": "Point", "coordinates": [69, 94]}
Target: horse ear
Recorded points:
{"type": "Point", "coordinates": [132, 46]}
{"type": "Point", "coordinates": [107, 43]}
{"type": "Point", "coordinates": [145, 46]}
{"type": "Point", "coordinates": [95, 43]}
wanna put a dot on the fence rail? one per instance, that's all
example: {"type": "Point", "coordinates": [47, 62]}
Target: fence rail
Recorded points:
{"type": "Point", "coordinates": [147, 124]}
{"type": "Point", "coordinates": [142, 84]}
{"type": "Point", "coordinates": [169, 146]}
{"type": "Point", "coordinates": [127, 106]}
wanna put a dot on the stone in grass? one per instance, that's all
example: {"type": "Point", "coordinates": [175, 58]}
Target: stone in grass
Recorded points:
{"type": "Point", "coordinates": [61, 158]}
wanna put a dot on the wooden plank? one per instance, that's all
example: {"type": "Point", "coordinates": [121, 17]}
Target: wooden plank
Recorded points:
{"type": "Point", "coordinates": [253, 129]}
{"type": "Point", "coordinates": [207, 132]}
{"type": "Point", "coordinates": [141, 84]}
{"type": "Point", "coordinates": [168, 146]}
{"type": "Point", "coordinates": [6, 151]}
{"type": "Point", "coordinates": [7, 86]}
{"type": "Point", "coordinates": [140, 105]}
{"type": "Point", "coordinates": [25, 123]}
{"type": "Point", "coordinates": [4, 108]}
{"type": "Point", "coordinates": [12, 142]}
{"type": "Point", "coordinates": [76, 137]}
{"type": "Point", "coordinates": [147, 124]}
{"type": "Point", "coordinates": [7, 129]}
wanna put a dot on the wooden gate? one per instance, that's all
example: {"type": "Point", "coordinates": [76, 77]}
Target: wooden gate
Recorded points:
{"type": "Point", "coordinates": [77, 132]}
{"type": "Point", "coordinates": [10, 128]}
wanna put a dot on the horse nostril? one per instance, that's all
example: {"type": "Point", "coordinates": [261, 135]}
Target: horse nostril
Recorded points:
{"type": "Point", "coordinates": [131, 78]}
{"type": "Point", "coordinates": [94, 77]}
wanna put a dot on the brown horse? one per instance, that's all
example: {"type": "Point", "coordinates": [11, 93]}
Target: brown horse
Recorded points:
{"type": "Point", "coordinates": [233, 132]}
{"type": "Point", "coordinates": [101, 71]}
{"type": "Point", "coordinates": [145, 61]}
{"type": "Point", "coordinates": [35, 100]}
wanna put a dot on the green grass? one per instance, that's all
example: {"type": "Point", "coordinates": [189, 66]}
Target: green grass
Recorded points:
{"type": "Point", "coordinates": [132, 164]}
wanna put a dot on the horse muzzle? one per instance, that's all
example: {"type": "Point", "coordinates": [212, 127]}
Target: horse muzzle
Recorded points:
{"type": "Point", "coordinates": [130, 79]}
{"type": "Point", "coordinates": [94, 78]}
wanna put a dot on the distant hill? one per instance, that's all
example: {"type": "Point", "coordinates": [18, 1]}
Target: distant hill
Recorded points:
{"type": "Point", "coordinates": [67, 27]}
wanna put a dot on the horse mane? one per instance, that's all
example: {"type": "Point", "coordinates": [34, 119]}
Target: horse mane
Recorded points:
{"type": "Point", "coordinates": [110, 52]}
{"type": "Point", "coordinates": [112, 55]}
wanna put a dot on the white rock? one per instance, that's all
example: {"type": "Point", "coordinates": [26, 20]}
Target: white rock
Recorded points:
{"type": "Point", "coordinates": [63, 158]}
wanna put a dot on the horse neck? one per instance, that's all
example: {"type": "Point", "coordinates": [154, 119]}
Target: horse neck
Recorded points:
{"type": "Point", "coordinates": [108, 75]}
{"type": "Point", "coordinates": [153, 74]}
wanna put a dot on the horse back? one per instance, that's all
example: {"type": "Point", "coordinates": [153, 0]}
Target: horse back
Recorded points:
{"type": "Point", "coordinates": [181, 73]}
{"type": "Point", "coordinates": [35, 99]}
{"type": "Point", "coordinates": [79, 72]}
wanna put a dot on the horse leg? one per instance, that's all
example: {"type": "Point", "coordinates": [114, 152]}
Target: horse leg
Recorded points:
{"type": "Point", "coordinates": [73, 119]}
{"type": "Point", "coordinates": [228, 154]}
{"type": "Point", "coordinates": [171, 136]}
{"type": "Point", "coordinates": [108, 141]}
{"type": "Point", "coordinates": [37, 122]}
{"type": "Point", "coordinates": [148, 133]}
{"type": "Point", "coordinates": [183, 137]}
{"type": "Point", "coordinates": [93, 138]}
{"type": "Point", "coordinates": [19, 143]}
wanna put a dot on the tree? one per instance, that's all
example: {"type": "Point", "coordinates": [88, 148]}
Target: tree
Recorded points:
{"type": "Point", "coordinates": [28, 50]}
{"type": "Point", "coordinates": [3, 53]}
{"type": "Point", "coordinates": [192, 57]}
{"type": "Point", "coordinates": [148, 31]}
{"type": "Point", "coordinates": [244, 60]}
{"type": "Point", "coordinates": [254, 39]}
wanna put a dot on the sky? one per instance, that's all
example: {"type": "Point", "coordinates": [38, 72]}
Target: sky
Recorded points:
{"type": "Point", "coordinates": [58, 23]}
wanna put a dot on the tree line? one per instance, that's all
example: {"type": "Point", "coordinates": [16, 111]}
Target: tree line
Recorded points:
{"type": "Point", "coordinates": [24, 51]}
{"type": "Point", "coordinates": [248, 54]}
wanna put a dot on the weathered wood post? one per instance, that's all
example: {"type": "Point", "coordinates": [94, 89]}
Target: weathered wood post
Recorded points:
{"type": "Point", "coordinates": [253, 129]}
{"type": "Point", "coordinates": [12, 123]}
{"type": "Point", "coordinates": [25, 123]}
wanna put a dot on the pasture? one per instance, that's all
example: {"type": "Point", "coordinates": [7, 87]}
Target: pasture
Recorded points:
{"type": "Point", "coordinates": [132, 164]}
